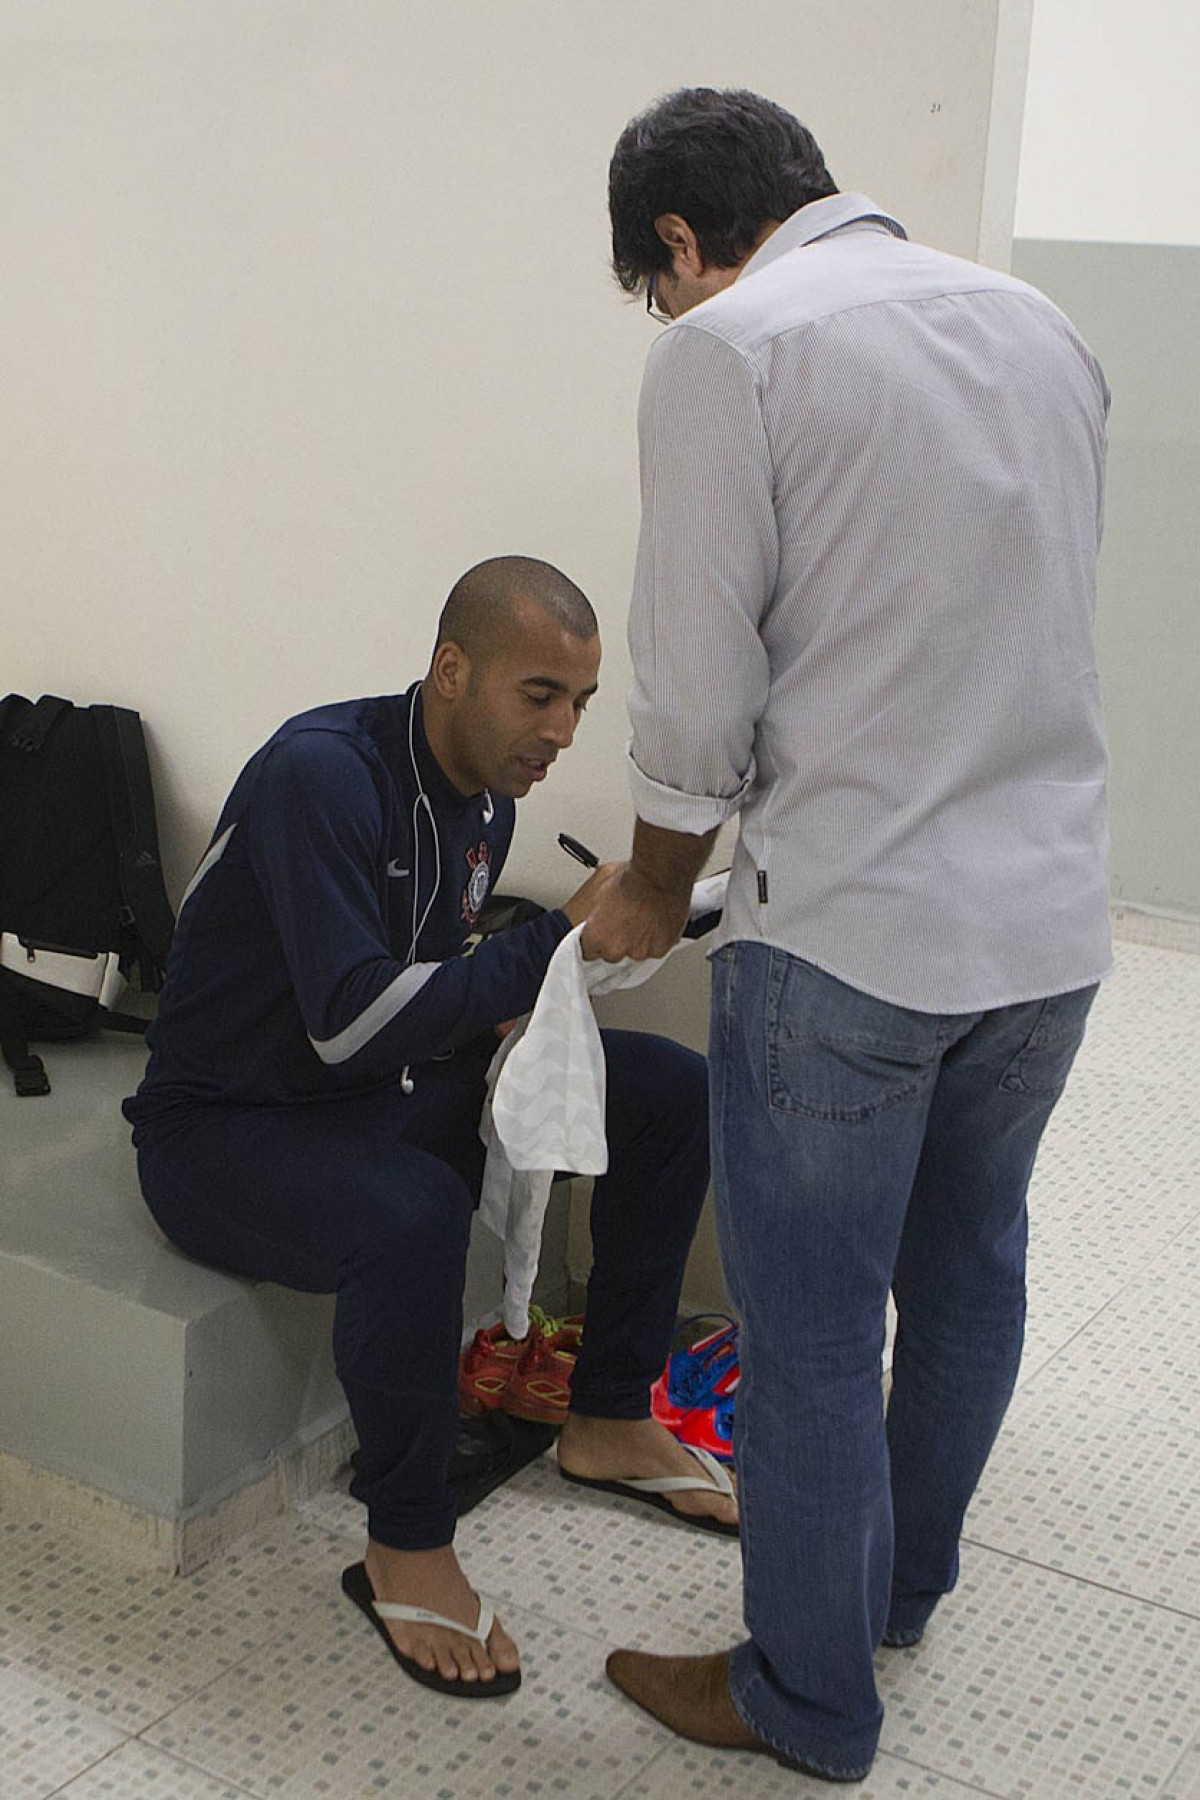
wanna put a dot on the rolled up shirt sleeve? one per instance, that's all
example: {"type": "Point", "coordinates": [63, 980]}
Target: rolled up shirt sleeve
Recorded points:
{"type": "Point", "coordinates": [708, 558]}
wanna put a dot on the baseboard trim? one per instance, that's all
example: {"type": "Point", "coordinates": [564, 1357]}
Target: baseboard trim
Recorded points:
{"type": "Point", "coordinates": [29, 1494]}
{"type": "Point", "coordinates": [1162, 931]}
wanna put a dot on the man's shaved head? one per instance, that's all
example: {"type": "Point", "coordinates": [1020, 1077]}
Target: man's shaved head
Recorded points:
{"type": "Point", "coordinates": [516, 661]}
{"type": "Point", "coordinates": [479, 609]}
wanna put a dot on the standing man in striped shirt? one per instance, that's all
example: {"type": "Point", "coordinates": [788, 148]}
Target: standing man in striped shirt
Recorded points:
{"type": "Point", "coordinates": [872, 481]}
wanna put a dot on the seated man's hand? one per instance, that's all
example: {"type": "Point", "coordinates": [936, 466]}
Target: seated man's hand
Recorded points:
{"type": "Point", "coordinates": [631, 918]}
{"type": "Point", "coordinates": [583, 901]}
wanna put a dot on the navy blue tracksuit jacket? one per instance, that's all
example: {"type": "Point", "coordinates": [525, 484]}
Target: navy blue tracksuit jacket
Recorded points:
{"type": "Point", "coordinates": [317, 953]}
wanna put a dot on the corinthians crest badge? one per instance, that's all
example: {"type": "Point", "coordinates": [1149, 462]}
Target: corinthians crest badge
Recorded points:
{"type": "Point", "coordinates": [475, 893]}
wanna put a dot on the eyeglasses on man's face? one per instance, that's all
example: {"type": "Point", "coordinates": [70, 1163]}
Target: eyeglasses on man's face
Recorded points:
{"type": "Point", "coordinates": [652, 307]}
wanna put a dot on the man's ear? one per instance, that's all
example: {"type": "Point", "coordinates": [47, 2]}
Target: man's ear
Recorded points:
{"type": "Point", "coordinates": [451, 671]}
{"type": "Point", "coordinates": [681, 241]}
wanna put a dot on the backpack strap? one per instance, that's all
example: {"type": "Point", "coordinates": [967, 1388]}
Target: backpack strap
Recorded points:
{"type": "Point", "coordinates": [131, 811]}
{"type": "Point", "coordinates": [28, 1070]}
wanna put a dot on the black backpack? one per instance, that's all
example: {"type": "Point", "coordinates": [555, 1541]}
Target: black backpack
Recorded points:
{"type": "Point", "coordinates": [82, 902]}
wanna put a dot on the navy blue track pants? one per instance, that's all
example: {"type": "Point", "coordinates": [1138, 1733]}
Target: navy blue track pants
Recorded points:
{"type": "Point", "coordinates": [371, 1198]}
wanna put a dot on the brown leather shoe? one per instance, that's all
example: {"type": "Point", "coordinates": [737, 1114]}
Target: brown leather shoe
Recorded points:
{"type": "Point", "coordinates": [691, 1695]}
{"type": "Point", "coordinates": [688, 1693]}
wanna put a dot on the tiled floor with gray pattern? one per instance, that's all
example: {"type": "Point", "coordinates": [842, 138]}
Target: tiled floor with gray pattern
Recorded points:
{"type": "Point", "coordinates": [1067, 1664]}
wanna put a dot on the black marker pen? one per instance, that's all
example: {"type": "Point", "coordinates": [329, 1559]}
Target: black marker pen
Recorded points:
{"type": "Point", "coordinates": [579, 851]}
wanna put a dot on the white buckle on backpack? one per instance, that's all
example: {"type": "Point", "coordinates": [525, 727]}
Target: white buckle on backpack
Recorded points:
{"type": "Point", "coordinates": [96, 977]}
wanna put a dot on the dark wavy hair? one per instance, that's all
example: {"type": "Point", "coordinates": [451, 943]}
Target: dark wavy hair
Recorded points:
{"type": "Point", "coordinates": [724, 159]}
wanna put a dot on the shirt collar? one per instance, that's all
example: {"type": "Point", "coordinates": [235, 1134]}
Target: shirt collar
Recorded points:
{"type": "Point", "coordinates": [817, 220]}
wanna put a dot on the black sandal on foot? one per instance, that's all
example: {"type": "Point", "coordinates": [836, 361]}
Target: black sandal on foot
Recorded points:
{"type": "Point", "coordinates": [657, 1491]}
{"type": "Point", "coordinates": [356, 1585]}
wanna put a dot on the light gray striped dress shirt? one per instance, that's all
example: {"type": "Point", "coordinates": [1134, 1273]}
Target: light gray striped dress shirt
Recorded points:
{"type": "Point", "coordinates": [872, 487]}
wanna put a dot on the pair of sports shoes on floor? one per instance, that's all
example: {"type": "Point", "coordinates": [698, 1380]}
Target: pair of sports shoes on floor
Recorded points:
{"type": "Point", "coordinates": [530, 1379]}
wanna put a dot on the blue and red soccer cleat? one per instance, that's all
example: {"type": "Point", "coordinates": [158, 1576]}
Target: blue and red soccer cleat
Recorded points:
{"type": "Point", "coordinates": [694, 1396]}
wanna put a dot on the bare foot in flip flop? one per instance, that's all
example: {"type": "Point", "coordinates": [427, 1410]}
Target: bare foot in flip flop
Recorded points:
{"type": "Point", "coordinates": [638, 1458]}
{"type": "Point", "coordinates": [480, 1659]}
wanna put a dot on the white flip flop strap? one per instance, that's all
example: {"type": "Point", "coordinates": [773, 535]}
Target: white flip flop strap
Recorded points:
{"type": "Point", "coordinates": [717, 1480]}
{"type": "Point", "coordinates": [420, 1615]}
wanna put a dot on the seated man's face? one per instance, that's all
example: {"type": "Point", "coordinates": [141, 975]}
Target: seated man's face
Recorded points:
{"type": "Point", "coordinates": [521, 704]}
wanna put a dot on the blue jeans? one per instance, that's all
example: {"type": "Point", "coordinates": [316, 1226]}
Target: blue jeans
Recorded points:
{"type": "Point", "coordinates": [857, 1147]}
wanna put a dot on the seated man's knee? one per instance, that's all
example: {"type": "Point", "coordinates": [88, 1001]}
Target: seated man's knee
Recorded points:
{"type": "Point", "coordinates": [658, 1077]}
{"type": "Point", "coordinates": [423, 1215]}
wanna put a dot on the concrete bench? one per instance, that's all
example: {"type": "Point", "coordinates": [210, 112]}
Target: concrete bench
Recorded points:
{"type": "Point", "coordinates": [163, 1405]}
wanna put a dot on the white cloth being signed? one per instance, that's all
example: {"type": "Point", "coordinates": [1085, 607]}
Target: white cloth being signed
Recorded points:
{"type": "Point", "coordinates": [545, 1105]}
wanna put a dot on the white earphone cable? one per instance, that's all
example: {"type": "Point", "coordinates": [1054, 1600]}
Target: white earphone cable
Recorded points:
{"type": "Point", "coordinates": [422, 800]}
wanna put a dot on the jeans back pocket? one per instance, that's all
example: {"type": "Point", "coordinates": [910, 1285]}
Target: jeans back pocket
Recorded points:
{"type": "Point", "coordinates": [1040, 1068]}
{"type": "Point", "coordinates": [836, 1054]}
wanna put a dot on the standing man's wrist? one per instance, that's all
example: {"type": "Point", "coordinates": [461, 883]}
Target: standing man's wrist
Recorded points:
{"type": "Point", "coordinates": [664, 864]}
{"type": "Point", "coordinates": [643, 911]}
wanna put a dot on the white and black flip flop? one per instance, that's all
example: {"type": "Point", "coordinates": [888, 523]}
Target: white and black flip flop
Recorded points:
{"type": "Point", "coordinates": [655, 1491]}
{"type": "Point", "coordinates": [356, 1585]}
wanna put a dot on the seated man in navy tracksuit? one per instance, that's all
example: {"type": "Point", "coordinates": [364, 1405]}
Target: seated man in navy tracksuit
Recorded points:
{"type": "Point", "coordinates": [309, 1114]}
